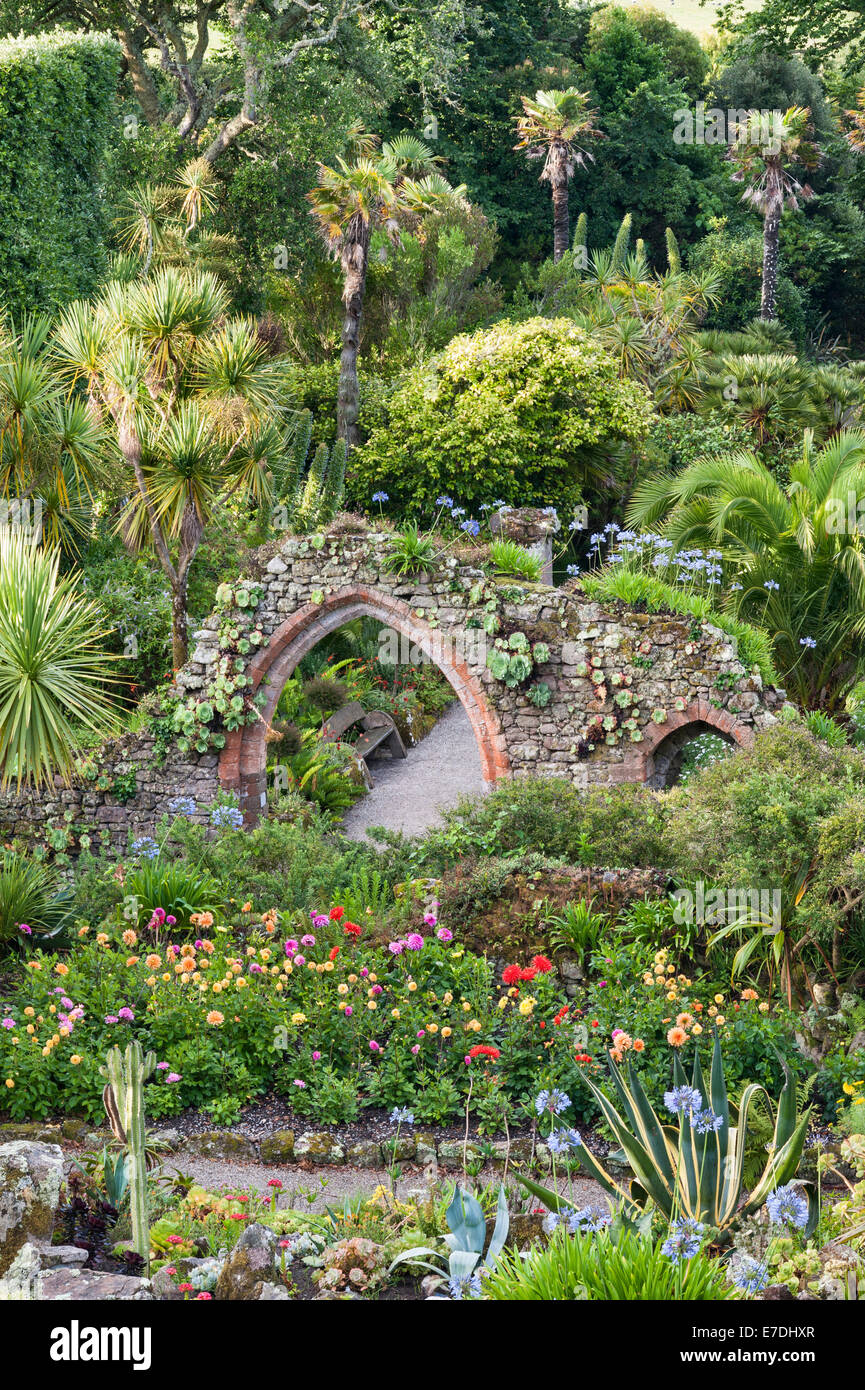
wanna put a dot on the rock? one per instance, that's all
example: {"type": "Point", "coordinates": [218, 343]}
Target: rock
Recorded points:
{"type": "Point", "coordinates": [319, 1147]}
{"type": "Point", "coordinates": [366, 1154]}
{"type": "Point", "coordinates": [251, 1263]}
{"type": "Point", "coordinates": [23, 1278]}
{"type": "Point", "coordinates": [217, 1143]}
{"type": "Point", "coordinates": [55, 1255]}
{"type": "Point", "coordinates": [858, 1043]}
{"type": "Point", "coordinates": [30, 1178]}
{"type": "Point", "coordinates": [278, 1147]}
{"type": "Point", "coordinates": [68, 1285]}
{"type": "Point", "coordinates": [524, 1229]}
{"type": "Point", "coordinates": [40, 1134]}
{"type": "Point", "coordinates": [270, 1293]}
{"type": "Point", "coordinates": [74, 1130]}
{"type": "Point", "coordinates": [398, 1150]}
{"type": "Point", "coordinates": [169, 1140]}
{"type": "Point", "coordinates": [453, 1152]}
{"type": "Point", "coordinates": [777, 1293]}
{"type": "Point", "coordinates": [425, 1147]}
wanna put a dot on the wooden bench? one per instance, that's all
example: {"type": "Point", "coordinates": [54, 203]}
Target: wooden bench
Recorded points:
{"type": "Point", "coordinates": [379, 730]}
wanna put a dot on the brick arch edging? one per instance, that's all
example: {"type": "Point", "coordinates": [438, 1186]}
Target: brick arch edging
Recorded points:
{"type": "Point", "coordinates": [242, 762]}
{"type": "Point", "coordinates": [698, 712]}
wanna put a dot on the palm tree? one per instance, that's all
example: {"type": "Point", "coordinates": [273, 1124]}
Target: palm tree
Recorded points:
{"type": "Point", "coordinates": [762, 160]}
{"type": "Point", "coordinates": [53, 670]}
{"type": "Point", "coordinates": [796, 554]}
{"type": "Point", "coordinates": [550, 128]}
{"type": "Point", "coordinates": [197, 411]}
{"type": "Point", "coordinates": [364, 192]}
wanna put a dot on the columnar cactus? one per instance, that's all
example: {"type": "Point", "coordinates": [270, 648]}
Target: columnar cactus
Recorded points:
{"type": "Point", "coordinates": [123, 1099]}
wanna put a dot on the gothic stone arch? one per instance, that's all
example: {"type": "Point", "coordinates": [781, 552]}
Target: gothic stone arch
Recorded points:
{"type": "Point", "coordinates": [608, 687]}
{"type": "Point", "coordinates": [242, 764]}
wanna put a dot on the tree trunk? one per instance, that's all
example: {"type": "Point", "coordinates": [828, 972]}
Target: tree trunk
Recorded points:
{"type": "Point", "coordinates": [179, 622]}
{"type": "Point", "coordinates": [142, 79]}
{"type": "Point", "coordinates": [355, 255]}
{"type": "Point", "coordinates": [771, 229]}
{"type": "Point", "coordinates": [561, 221]}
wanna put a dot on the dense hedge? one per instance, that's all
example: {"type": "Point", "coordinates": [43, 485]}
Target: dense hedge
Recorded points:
{"type": "Point", "coordinates": [56, 114]}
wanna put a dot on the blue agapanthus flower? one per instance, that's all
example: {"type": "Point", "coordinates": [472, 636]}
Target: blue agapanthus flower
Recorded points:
{"type": "Point", "coordinates": [749, 1275]}
{"type": "Point", "coordinates": [682, 1100]}
{"type": "Point", "coordinates": [379, 497]}
{"type": "Point", "coordinates": [563, 1139]}
{"type": "Point", "coordinates": [401, 1115]}
{"type": "Point", "coordinates": [808, 642]}
{"type": "Point", "coordinates": [221, 816]}
{"type": "Point", "coordinates": [706, 1121]}
{"type": "Point", "coordinates": [444, 501]}
{"type": "Point", "coordinates": [465, 1286]}
{"type": "Point", "coordinates": [182, 806]}
{"type": "Point", "coordinates": [552, 1102]}
{"type": "Point", "coordinates": [145, 846]}
{"type": "Point", "coordinates": [684, 1240]}
{"type": "Point", "coordinates": [471, 526]}
{"type": "Point", "coordinates": [787, 1207]}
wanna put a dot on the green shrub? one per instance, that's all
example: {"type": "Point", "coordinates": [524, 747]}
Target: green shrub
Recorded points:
{"type": "Point", "coordinates": [617, 827]}
{"type": "Point", "coordinates": [57, 113]}
{"type": "Point", "coordinates": [518, 412]}
{"type": "Point", "coordinates": [135, 604]}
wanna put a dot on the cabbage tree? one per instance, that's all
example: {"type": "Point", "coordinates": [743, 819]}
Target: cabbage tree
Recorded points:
{"type": "Point", "coordinates": [53, 668]}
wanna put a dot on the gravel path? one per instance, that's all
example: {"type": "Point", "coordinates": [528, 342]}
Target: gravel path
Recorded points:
{"type": "Point", "coordinates": [409, 792]}
{"type": "Point", "coordinates": [328, 1185]}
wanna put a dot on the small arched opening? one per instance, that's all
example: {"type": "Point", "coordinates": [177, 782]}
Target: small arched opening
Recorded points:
{"type": "Point", "coordinates": [690, 738]}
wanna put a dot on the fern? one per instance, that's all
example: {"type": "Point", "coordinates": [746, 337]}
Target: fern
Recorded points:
{"type": "Point", "coordinates": [761, 1130]}
{"type": "Point", "coordinates": [367, 894]}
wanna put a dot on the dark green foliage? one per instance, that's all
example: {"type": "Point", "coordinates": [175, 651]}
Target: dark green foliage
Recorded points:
{"type": "Point", "coordinates": [56, 115]}
{"type": "Point", "coordinates": [30, 893]}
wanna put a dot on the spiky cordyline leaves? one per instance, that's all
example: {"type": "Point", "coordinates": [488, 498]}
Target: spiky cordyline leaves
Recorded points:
{"type": "Point", "coordinates": [52, 667]}
{"type": "Point", "coordinates": [234, 362]}
{"type": "Point", "coordinates": [198, 185]}
{"type": "Point", "coordinates": [139, 220]}
{"type": "Point", "coordinates": [181, 462]}
{"type": "Point", "coordinates": [172, 309]}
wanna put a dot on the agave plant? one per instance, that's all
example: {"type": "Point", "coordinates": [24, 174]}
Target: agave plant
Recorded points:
{"type": "Point", "coordinates": [694, 1168]}
{"type": "Point", "coordinates": [468, 1229]}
